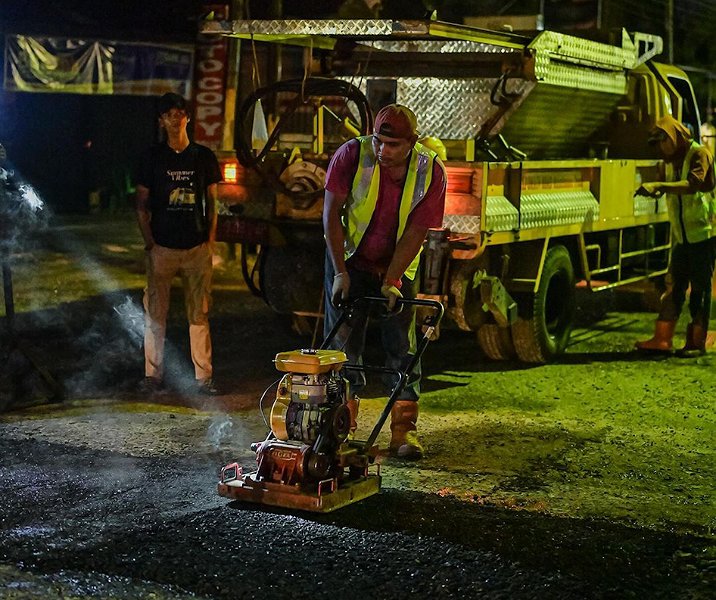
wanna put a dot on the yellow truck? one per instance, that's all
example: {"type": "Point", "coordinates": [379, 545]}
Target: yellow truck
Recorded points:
{"type": "Point", "coordinates": [545, 144]}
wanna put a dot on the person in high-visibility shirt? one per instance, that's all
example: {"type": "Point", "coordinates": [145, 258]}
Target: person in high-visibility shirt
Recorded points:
{"type": "Point", "coordinates": [383, 192]}
{"type": "Point", "coordinates": [689, 197]}
{"type": "Point", "coordinates": [707, 131]}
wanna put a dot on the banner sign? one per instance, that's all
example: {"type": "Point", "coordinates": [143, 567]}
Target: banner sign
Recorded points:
{"type": "Point", "coordinates": [210, 84]}
{"type": "Point", "coordinates": [79, 66]}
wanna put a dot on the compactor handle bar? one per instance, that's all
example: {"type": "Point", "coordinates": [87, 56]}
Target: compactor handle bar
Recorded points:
{"type": "Point", "coordinates": [430, 323]}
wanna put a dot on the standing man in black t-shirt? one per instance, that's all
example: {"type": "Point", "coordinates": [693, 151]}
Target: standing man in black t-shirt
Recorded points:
{"type": "Point", "coordinates": [176, 210]}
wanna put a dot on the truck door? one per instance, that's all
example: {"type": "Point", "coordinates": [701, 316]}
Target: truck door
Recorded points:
{"type": "Point", "coordinates": [689, 108]}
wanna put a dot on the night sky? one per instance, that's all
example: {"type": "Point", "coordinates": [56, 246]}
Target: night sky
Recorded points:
{"type": "Point", "coordinates": [47, 135]}
{"type": "Point", "coordinates": [69, 144]}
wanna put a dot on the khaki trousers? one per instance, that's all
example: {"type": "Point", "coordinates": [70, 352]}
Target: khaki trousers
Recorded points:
{"type": "Point", "coordinates": [195, 267]}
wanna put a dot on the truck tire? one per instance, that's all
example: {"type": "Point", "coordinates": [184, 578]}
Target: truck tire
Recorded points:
{"type": "Point", "coordinates": [496, 342]}
{"type": "Point", "coordinates": [546, 319]}
{"type": "Point", "coordinates": [291, 278]}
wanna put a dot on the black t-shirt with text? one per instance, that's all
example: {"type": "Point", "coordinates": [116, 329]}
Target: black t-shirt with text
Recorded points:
{"type": "Point", "coordinates": [177, 183]}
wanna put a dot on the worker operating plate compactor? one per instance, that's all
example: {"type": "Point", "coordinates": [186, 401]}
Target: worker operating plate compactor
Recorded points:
{"type": "Point", "coordinates": [308, 461]}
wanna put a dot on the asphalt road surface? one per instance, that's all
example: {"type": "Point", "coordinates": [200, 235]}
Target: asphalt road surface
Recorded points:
{"type": "Point", "coordinates": [589, 478]}
{"type": "Point", "coordinates": [82, 522]}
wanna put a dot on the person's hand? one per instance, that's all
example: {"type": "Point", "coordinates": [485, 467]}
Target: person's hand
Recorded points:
{"type": "Point", "coordinates": [392, 293]}
{"type": "Point", "coordinates": [649, 189]}
{"type": "Point", "coordinates": [341, 287]}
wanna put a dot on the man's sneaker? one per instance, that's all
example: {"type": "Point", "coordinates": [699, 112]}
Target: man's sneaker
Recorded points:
{"type": "Point", "coordinates": [207, 387]}
{"type": "Point", "coordinates": [149, 386]}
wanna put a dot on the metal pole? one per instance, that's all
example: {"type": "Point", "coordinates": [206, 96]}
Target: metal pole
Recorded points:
{"type": "Point", "coordinates": [9, 302]}
{"type": "Point", "coordinates": [236, 11]}
{"type": "Point", "coordinates": [14, 344]}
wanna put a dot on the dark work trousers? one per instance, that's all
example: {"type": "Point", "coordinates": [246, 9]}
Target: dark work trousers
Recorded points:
{"type": "Point", "coordinates": [397, 330]}
{"type": "Point", "coordinates": [691, 264]}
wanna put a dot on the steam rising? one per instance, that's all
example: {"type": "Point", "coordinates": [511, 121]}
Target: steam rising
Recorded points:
{"type": "Point", "coordinates": [131, 316]}
{"type": "Point", "coordinates": [22, 213]}
{"type": "Point", "coordinates": [219, 431]}
{"type": "Point", "coordinates": [106, 338]}
{"type": "Point", "coordinates": [110, 345]}
{"type": "Point", "coordinates": [29, 195]}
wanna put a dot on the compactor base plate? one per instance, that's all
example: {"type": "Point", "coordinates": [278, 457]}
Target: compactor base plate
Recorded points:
{"type": "Point", "coordinates": [326, 496]}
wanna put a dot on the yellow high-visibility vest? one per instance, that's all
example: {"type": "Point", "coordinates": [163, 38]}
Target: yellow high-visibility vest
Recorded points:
{"type": "Point", "coordinates": [360, 204]}
{"type": "Point", "coordinates": [692, 215]}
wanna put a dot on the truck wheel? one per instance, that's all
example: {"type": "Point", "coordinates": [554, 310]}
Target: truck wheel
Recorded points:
{"type": "Point", "coordinates": [291, 278]}
{"type": "Point", "coordinates": [496, 342]}
{"type": "Point", "coordinates": [546, 322]}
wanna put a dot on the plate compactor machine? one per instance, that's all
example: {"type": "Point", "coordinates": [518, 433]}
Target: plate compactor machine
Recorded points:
{"type": "Point", "coordinates": [308, 460]}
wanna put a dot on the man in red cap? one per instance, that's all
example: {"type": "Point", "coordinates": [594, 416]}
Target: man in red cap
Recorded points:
{"type": "Point", "coordinates": [383, 193]}
{"type": "Point", "coordinates": [689, 198]}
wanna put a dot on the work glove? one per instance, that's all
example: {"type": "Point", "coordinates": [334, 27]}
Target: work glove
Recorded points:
{"type": "Point", "coordinates": [392, 293]}
{"type": "Point", "coordinates": [341, 287]}
{"type": "Point", "coordinates": [649, 189]}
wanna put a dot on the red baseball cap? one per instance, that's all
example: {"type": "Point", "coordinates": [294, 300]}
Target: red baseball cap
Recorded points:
{"type": "Point", "coordinates": [396, 121]}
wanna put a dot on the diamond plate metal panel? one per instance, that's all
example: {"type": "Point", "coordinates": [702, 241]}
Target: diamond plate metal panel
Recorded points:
{"type": "Point", "coordinates": [548, 209]}
{"type": "Point", "coordinates": [578, 77]}
{"type": "Point", "coordinates": [661, 205]}
{"type": "Point", "coordinates": [645, 205]}
{"type": "Point", "coordinates": [447, 108]}
{"type": "Point", "coordinates": [500, 214]}
{"type": "Point", "coordinates": [456, 108]}
{"type": "Point", "coordinates": [453, 109]}
{"type": "Point", "coordinates": [462, 223]}
{"type": "Point", "coordinates": [437, 46]}
{"type": "Point", "coordinates": [352, 28]}
{"type": "Point", "coordinates": [579, 50]}
{"type": "Point", "coordinates": [569, 61]}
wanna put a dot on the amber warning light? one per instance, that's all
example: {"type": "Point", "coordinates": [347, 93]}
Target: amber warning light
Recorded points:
{"type": "Point", "coordinates": [230, 169]}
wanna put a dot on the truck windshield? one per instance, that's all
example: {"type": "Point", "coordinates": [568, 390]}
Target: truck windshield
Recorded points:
{"type": "Point", "coordinates": [689, 110]}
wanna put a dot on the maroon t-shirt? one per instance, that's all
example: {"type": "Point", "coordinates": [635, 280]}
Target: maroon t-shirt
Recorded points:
{"type": "Point", "coordinates": [378, 243]}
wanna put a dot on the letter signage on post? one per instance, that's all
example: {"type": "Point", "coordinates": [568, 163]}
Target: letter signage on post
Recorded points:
{"type": "Point", "coordinates": [209, 88]}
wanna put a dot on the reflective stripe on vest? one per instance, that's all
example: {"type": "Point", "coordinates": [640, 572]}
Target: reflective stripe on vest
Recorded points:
{"type": "Point", "coordinates": [363, 197]}
{"type": "Point", "coordinates": [691, 214]}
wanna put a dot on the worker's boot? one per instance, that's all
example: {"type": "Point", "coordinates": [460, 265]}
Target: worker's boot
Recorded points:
{"type": "Point", "coordinates": [662, 340]}
{"type": "Point", "coordinates": [353, 405]}
{"type": "Point", "coordinates": [710, 339]}
{"type": "Point", "coordinates": [404, 441]}
{"type": "Point", "coordinates": [695, 342]}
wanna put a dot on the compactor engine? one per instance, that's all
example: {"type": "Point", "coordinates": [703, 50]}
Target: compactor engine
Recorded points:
{"type": "Point", "coordinates": [309, 418]}
{"type": "Point", "coordinates": [308, 460]}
